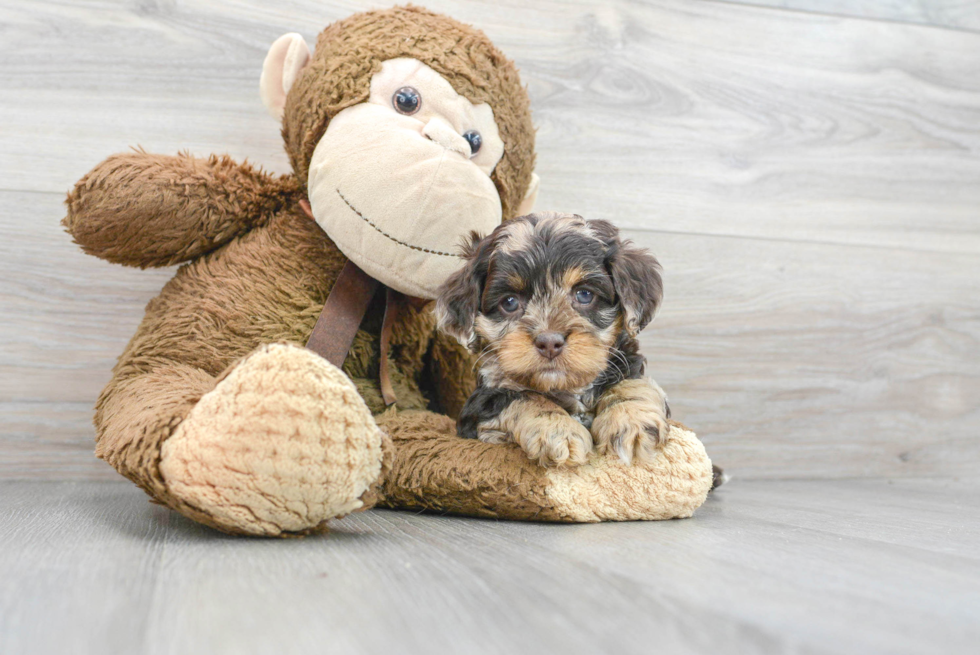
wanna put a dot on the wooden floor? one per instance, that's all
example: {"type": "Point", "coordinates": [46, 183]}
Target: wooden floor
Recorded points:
{"type": "Point", "coordinates": [808, 172]}
{"type": "Point", "coordinates": [859, 566]}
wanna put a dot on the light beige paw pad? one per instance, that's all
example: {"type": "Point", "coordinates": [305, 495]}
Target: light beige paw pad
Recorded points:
{"type": "Point", "coordinates": [672, 484]}
{"type": "Point", "coordinates": [282, 444]}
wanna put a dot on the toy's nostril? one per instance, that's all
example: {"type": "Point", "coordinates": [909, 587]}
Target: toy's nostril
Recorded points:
{"type": "Point", "coordinates": [549, 344]}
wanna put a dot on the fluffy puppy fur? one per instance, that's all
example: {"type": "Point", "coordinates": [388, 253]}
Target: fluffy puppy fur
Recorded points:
{"type": "Point", "coordinates": [553, 304]}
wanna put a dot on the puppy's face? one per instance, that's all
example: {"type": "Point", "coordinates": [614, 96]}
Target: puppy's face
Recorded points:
{"type": "Point", "coordinates": [545, 297]}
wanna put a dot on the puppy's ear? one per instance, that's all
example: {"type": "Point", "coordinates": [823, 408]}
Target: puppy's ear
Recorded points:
{"type": "Point", "coordinates": [459, 297]}
{"type": "Point", "coordinates": [636, 277]}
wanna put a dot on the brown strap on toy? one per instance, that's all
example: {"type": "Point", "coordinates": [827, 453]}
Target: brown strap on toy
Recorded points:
{"type": "Point", "coordinates": [393, 304]}
{"type": "Point", "coordinates": [343, 312]}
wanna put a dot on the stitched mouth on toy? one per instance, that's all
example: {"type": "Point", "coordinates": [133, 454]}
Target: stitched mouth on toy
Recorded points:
{"type": "Point", "coordinates": [391, 238]}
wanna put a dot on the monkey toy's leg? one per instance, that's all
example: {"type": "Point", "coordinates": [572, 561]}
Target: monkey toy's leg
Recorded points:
{"type": "Point", "coordinates": [283, 442]}
{"type": "Point", "coordinates": [280, 445]}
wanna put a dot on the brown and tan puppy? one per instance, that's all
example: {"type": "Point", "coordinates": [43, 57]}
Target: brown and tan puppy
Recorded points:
{"type": "Point", "coordinates": [553, 304]}
{"type": "Point", "coordinates": [216, 410]}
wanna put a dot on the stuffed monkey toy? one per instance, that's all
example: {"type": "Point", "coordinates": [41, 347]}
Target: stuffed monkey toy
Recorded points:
{"type": "Point", "coordinates": [405, 130]}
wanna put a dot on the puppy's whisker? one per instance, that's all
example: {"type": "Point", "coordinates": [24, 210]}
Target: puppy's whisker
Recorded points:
{"type": "Point", "coordinates": [478, 362]}
{"type": "Point", "coordinates": [488, 351]}
{"type": "Point", "coordinates": [621, 364]}
{"type": "Point", "coordinates": [615, 355]}
{"type": "Point", "coordinates": [485, 350]}
{"type": "Point", "coordinates": [621, 356]}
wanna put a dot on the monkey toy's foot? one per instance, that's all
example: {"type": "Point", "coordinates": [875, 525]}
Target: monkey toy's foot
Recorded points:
{"type": "Point", "coordinates": [281, 444]}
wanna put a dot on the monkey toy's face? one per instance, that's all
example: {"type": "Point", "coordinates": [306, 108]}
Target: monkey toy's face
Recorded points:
{"type": "Point", "coordinates": [401, 164]}
{"type": "Point", "coordinates": [397, 181]}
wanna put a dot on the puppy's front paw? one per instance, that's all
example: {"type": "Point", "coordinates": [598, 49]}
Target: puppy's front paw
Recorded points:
{"type": "Point", "coordinates": [631, 421]}
{"type": "Point", "coordinates": [554, 440]}
{"type": "Point", "coordinates": [544, 430]}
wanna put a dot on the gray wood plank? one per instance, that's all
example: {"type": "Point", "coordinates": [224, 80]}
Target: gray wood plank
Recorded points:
{"type": "Point", "coordinates": [66, 317]}
{"type": "Point", "coordinates": [78, 567]}
{"type": "Point", "coordinates": [813, 360]}
{"type": "Point", "coordinates": [765, 567]}
{"type": "Point", "coordinates": [722, 119]}
{"type": "Point", "coordinates": [691, 117]}
{"type": "Point", "coordinates": [954, 14]}
{"type": "Point", "coordinates": [803, 556]}
{"type": "Point", "coordinates": [935, 515]}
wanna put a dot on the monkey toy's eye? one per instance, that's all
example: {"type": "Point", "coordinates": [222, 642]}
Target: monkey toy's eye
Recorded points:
{"type": "Point", "coordinates": [584, 296]}
{"type": "Point", "coordinates": [510, 304]}
{"type": "Point", "coordinates": [475, 141]}
{"type": "Point", "coordinates": [406, 100]}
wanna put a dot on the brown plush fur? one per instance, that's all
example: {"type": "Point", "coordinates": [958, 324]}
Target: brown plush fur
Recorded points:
{"type": "Point", "coordinates": [259, 271]}
{"type": "Point", "coordinates": [115, 211]}
{"type": "Point", "coordinates": [434, 470]}
{"type": "Point", "coordinates": [485, 479]}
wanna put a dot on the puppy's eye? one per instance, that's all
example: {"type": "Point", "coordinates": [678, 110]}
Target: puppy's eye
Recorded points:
{"type": "Point", "coordinates": [475, 140]}
{"type": "Point", "coordinates": [584, 296]}
{"type": "Point", "coordinates": [510, 304]}
{"type": "Point", "coordinates": [406, 100]}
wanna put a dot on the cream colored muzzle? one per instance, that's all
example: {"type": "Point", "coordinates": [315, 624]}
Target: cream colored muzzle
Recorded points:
{"type": "Point", "coordinates": [398, 193]}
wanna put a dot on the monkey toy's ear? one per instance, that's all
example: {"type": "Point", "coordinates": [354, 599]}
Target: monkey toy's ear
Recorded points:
{"type": "Point", "coordinates": [527, 205]}
{"type": "Point", "coordinates": [287, 57]}
{"type": "Point", "coordinates": [459, 297]}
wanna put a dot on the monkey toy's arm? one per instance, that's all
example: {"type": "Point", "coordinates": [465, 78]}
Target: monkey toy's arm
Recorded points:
{"type": "Point", "coordinates": [145, 210]}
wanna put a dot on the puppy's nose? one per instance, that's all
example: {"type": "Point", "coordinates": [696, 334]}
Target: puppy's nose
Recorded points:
{"type": "Point", "coordinates": [549, 344]}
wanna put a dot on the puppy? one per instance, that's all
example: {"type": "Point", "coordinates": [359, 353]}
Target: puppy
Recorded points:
{"type": "Point", "coordinates": [553, 305]}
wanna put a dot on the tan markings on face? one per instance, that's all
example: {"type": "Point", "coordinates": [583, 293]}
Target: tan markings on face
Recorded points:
{"type": "Point", "coordinates": [516, 282]}
{"type": "Point", "coordinates": [571, 278]}
{"type": "Point", "coordinates": [584, 357]}
{"type": "Point", "coordinates": [490, 330]}
{"type": "Point", "coordinates": [608, 336]}
{"type": "Point", "coordinates": [631, 420]}
{"type": "Point", "coordinates": [491, 334]}
{"type": "Point", "coordinates": [544, 430]}
{"type": "Point", "coordinates": [493, 375]}
{"type": "Point", "coordinates": [517, 355]}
